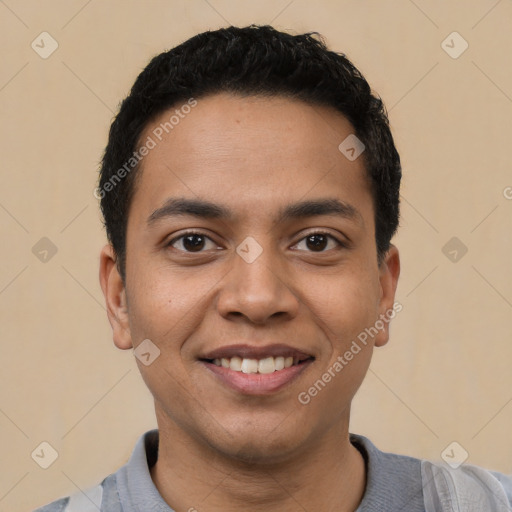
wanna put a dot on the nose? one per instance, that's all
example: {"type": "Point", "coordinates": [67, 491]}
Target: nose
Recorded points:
{"type": "Point", "coordinates": [258, 290]}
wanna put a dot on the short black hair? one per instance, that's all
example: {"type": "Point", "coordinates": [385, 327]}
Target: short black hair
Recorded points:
{"type": "Point", "coordinates": [253, 60]}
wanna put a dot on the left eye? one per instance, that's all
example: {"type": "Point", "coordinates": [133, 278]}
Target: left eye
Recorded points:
{"type": "Point", "coordinates": [319, 241]}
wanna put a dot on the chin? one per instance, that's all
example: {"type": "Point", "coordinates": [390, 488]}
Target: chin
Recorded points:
{"type": "Point", "coordinates": [258, 448]}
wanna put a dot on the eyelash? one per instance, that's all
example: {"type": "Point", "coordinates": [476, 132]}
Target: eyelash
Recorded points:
{"type": "Point", "coordinates": [199, 233]}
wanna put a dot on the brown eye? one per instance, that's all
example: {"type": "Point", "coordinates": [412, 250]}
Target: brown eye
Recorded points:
{"type": "Point", "coordinates": [318, 242]}
{"type": "Point", "coordinates": [191, 242]}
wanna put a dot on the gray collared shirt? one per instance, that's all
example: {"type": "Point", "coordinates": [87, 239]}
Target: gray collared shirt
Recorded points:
{"type": "Point", "coordinates": [394, 484]}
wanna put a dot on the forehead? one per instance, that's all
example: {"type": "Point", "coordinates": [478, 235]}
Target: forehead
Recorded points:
{"type": "Point", "coordinates": [252, 152]}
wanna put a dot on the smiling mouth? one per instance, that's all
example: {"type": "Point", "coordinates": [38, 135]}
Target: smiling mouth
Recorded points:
{"type": "Point", "coordinates": [264, 365]}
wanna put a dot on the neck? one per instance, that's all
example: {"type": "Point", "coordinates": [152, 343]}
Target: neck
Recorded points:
{"type": "Point", "coordinates": [329, 475]}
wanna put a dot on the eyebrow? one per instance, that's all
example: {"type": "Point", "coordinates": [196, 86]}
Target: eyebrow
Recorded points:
{"type": "Point", "coordinates": [177, 207]}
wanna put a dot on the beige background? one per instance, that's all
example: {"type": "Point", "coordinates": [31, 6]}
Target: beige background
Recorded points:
{"type": "Point", "coordinates": [445, 376]}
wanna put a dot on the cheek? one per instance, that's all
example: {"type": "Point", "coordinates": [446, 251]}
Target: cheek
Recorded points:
{"type": "Point", "coordinates": [344, 304]}
{"type": "Point", "coordinates": [152, 301]}
{"type": "Point", "coordinates": [166, 304]}
{"type": "Point", "coordinates": [343, 312]}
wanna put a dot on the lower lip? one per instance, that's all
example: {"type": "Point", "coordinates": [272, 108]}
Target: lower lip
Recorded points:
{"type": "Point", "coordinates": [257, 383]}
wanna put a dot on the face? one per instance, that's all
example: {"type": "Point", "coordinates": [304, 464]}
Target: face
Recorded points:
{"type": "Point", "coordinates": [251, 246]}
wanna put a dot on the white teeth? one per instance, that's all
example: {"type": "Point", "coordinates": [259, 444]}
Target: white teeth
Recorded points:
{"type": "Point", "coordinates": [249, 365]}
{"type": "Point", "coordinates": [265, 365]}
{"type": "Point", "coordinates": [279, 362]}
{"type": "Point", "coordinates": [235, 364]}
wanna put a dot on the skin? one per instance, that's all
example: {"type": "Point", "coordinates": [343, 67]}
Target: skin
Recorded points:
{"type": "Point", "coordinates": [220, 449]}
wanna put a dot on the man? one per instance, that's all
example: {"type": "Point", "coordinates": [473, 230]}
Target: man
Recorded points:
{"type": "Point", "coordinates": [250, 190]}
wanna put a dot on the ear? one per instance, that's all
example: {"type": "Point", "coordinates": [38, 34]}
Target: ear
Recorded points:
{"type": "Point", "coordinates": [389, 271]}
{"type": "Point", "coordinates": [115, 298]}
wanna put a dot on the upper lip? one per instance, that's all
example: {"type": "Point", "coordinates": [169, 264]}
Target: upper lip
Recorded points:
{"type": "Point", "coordinates": [256, 352]}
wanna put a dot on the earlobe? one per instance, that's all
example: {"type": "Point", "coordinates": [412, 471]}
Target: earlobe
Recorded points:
{"type": "Point", "coordinates": [389, 272]}
{"type": "Point", "coordinates": [114, 292]}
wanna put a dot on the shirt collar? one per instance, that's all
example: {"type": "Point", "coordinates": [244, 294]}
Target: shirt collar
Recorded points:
{"type": "Point", "coordinates": [393, 482]}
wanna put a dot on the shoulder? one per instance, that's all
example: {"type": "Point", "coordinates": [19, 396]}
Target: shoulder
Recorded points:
{"type": "Point", "coordinates": [408, 483]}
{"type": "Point", "coordinates": [393, 481]}
{"type": "Point", "coordinates": [56, 506]}
{"type": "Point", "coordinates": [391, 464]}
{"type": "Point", "coordinates": [106, 497]}
{"type": "Point", "coordinates": [93, 499]}
{"type": "Point", "coordinates": [447, 488]}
